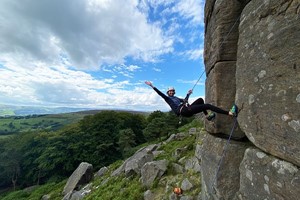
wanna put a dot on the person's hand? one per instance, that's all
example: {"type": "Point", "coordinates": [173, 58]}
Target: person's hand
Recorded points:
{"type": "Point", "coordinates": [149, 83]}
{"type": "Point", "coordinates": [190, 91]}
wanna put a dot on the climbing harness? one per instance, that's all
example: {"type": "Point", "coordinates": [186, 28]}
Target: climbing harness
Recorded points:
{"type": "Point", "coordinates": [224, 152]}
{"type": "Point", "coordinates": [180, 109]}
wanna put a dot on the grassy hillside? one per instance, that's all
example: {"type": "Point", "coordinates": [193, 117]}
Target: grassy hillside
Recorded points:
{"type": "Point", "coordinates": [52, 122]}
{"type": "Point", "coordinates": [120, 187]}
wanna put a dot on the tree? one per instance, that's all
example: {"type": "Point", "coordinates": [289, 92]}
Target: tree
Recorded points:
{"type": "Point", "coordinates": [155, 114]}
{"type": "Point", "coordinates": [10, 159]}
{"type": "Point", "coordinates": [126, 141]}
{"type": "Point", "coordinates": [157, 128]}
{"type": "Point", "coordinates": [135, 122]}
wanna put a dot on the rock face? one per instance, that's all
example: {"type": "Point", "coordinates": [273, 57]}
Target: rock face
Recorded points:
{"type": "Point", "coordinates": [220, 169]}
{"type": "Point", "coordinates": [269, 56]}
{"type": "Point", "coordinates": [252, 58]}
{"type": "Point", "coordinates": [153, 170]}
{"type": "Point", "coordinates": [266, 177]}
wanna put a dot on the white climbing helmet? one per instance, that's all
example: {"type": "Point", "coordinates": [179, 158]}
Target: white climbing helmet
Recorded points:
{"type": "Point", "coordinates": [171, 88]}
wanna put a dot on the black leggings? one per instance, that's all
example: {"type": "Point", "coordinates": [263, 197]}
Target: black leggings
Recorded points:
{"type": "Point", "coordinates": [199, 106]}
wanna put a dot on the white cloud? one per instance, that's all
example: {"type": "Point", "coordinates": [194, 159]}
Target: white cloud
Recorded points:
{"type": "Point", "coordinates": [84, 33]}
{"type": "Point", "coordinates": [127, 71]}
{"type": "Point", "coordinates": [138, 99]}
{"type": "Point", "coordinates": [191, 9]}
{"type": "Point", "coordinates": [194, 54]}
{"type": "Point", "coordinates": [132, 68]}
{"type": "Point", "coordinates": [157, 69]}
{"type": "Point", "coordinates": [59, 86]}
{"type": "Point", "coordinates": [53, 86]}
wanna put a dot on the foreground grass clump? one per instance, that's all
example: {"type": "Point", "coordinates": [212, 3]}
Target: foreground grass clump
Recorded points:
{"type": "Point", "coordinates": [196, 123]}
{"type": "Point", "coordinates": [52, 189]}
{"type": "Point", "coordinates": [117, 188]}
{"type": "Point", "coordinates": [170, 148]}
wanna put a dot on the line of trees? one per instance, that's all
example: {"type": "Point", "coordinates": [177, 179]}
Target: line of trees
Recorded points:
{"type": "Point", "coordinates": [37, 157]}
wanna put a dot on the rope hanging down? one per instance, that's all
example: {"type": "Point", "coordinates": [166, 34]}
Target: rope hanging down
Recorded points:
{"type": "Point", "coordinates": [224, 152]}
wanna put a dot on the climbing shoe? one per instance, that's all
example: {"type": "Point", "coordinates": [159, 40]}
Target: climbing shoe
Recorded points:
{"type": "Point", "coordinates": [211, 116]}
{"type": "Point", "coordinates": [234, 110]}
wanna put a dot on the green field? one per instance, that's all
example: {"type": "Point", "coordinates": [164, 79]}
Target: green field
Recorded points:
{"type": "Point", "coordinates": [52, 122]}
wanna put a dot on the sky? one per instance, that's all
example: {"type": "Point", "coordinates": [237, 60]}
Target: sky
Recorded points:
{"type": "Point", "coordinates": [98, 53]}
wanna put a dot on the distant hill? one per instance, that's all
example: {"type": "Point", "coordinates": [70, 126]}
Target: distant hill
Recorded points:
{"type": "Point", "coordinates": [15, 119]}
{"type": "Point", "coordinates": [48, 122]}
{"type": "Point", "coordinates": [11, 110]}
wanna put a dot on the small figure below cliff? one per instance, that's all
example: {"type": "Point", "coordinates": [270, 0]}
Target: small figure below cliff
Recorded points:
{"type": "Point", "coordinates": [181, 107]}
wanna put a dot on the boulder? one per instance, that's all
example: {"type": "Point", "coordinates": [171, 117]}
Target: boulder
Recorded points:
{"type": "Point", "coordinates": [192, 164]}
{"type": "Point", "coordinates": [148, 195]}
{"type": "Point", "coordinates": [179, 151]}
{"type": "Point", "coordinates": [193, 131]}
{"type": "Point", "coordinates": [171, 138]}
{"type": "Point", "coordinates": [186, 198]}
{"type": "Point", "coordinates": [153, 170]}
{"type": "Point", "coordinates": [267, 77]}
{"type": "Point", "coordinates": [266, 177]}
{"type": "Point", "coordinates": [157, 153]}
{"type": "Point", "coordinates": [101, 172]}
{"type": "Point", "coordinates": [82, 175]}
{"type": "Point", "coordinates": [76, 195]}
{"type": "Point", "coordinates": [186, 185]}
{"type": "Point", "coordinates": [178, 169]}
{"type": "Point", "coordinates": [134, 164]}
{"type": "Point", "coordinates": [46, 197]}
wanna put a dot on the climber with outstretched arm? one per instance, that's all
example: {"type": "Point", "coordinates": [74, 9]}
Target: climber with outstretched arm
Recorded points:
{"type": "Point", "coordinates": [181, 107]}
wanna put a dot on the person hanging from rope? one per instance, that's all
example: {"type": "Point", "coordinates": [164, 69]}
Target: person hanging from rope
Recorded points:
{"type": "Point", "coordinates": [181, 107]}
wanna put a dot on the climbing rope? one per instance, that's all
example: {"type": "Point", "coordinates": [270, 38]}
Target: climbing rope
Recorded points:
{"type": "Point", "coordinates": [224, 152]}
{"type": "Point", "coordinates": [198, 80]}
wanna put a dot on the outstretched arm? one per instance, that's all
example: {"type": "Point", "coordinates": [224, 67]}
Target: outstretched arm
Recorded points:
{"type": "Point", "coordinates": [149, 83]}
{"type": "Point", "coordinates": [156, 90]}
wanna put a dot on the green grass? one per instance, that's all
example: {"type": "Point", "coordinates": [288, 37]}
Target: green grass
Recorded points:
{"type": "Point", "coordinates": [170, 148]}
{"type": "Point", "coordinates": [4, 136]}
{"type": "Point", "coordinates": [5, 112]}
{"type": "Point", "coordinates": [53, 122]}
{"type": "Point", "coordinates": [194, 123]}
{"type": "Point", "coordinates": [52, 189]}
{"type": "Point", "coordinates": [118, 188]}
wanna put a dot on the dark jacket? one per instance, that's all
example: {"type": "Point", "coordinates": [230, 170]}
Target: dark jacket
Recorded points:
{"type": "Point", "coordinates": [174, 102]}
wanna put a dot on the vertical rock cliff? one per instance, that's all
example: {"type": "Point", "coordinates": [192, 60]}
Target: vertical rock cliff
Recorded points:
{"type": "Point", "coordinates": [252, 57]}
